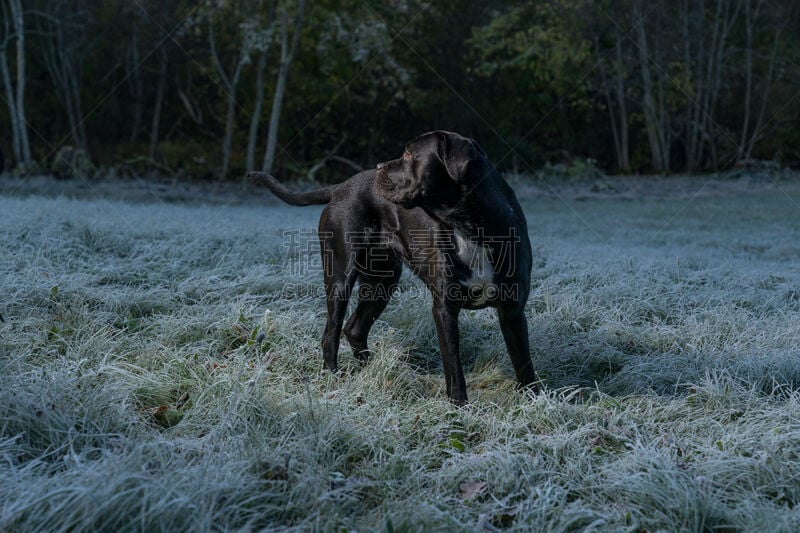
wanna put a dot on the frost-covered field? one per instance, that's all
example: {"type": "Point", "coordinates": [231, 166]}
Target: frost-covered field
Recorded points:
{"type": "Point", "coordinates": [133, 395]}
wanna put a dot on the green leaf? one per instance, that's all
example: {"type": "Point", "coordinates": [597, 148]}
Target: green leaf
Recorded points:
{"type": "Point", "coordinates": [457, 444]}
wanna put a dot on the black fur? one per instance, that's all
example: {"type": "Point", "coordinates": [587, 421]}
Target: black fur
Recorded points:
{"type": "Point", "coordinates": [444, 211]}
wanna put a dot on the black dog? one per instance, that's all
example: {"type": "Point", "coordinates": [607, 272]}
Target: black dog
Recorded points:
{"type": "Point", "coordinates": [443, 210]}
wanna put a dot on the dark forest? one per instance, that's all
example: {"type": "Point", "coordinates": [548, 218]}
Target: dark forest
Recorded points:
{"type": "Point", "coordinates": [317, 89]}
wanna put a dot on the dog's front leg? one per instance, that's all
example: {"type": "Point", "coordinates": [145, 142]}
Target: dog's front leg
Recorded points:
{"type": "Point", "coordinates": [514, 326]}
{"type": "Point", "coordinates": [445, 315]}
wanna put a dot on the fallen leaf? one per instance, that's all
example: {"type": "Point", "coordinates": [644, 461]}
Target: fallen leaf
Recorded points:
{"type": "Point", "coordinates": [155, 411]}
{"type": "Point", "coordinates": [470, 489]}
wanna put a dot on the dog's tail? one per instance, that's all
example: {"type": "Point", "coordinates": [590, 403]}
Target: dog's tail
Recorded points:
{"type": "Point", "coordinates": [315, 197]}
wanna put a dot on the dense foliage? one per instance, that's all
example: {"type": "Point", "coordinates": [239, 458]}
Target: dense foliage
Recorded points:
{"type": "Point", "coordinates": [322, 87]}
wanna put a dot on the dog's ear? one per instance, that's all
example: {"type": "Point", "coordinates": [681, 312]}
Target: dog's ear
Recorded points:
{"type": "Point", "coordinates": [457, 154]}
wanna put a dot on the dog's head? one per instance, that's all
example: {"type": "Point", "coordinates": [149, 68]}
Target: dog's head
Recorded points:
{"type": "Point", "coordinates": [436, 170]}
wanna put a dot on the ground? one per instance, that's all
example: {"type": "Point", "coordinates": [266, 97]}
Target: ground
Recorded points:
{"type": "Point", "coordinates": [136, 392]}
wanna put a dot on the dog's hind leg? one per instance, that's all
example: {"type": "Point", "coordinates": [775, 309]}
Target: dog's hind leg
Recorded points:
{"type": "Point", "coordinates": [339, 271]}
{"type": "Point", "coordinates": [374, 293]}
{"type": "Point", "coordinates": [337, 291]}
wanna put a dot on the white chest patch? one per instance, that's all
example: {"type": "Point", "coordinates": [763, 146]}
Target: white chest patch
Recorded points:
{"type": "Point", "coordinates": [480, 283]}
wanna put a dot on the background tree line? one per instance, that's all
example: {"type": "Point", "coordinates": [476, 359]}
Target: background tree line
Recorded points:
{"type": "Point", "coordinates": [322, 87]}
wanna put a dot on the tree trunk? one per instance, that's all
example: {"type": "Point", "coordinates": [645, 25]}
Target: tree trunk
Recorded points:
{"type": "Point", "coordinates": [75, 94]}
{"type": "Point", "coordinates": [67, 73]}
{"type": "Point", "coordinates": [754, 138]}
{"type": "Point", "coordinates": [648, 95]}
{"type": "Point", "coordinates": [287, 54]}
{"type": "Point", "coordinates": [12, 106]}
{"type": "Point", "coordinates": [22, 124]}
{"type": "Point", "coordinates": [703, 134]}
{"type": "Point", "coordinates": [61, 51]}
{"type": "Point", "coordinates": [228, 140]}
{"type": "Point", "coordinates": [277, 103]}
{"type": "Point", "coordinates": [162, 82]}
{"type": "Point", "coordinates": [612, 118]}
{"type": "Point", "coordinates": [229, 84]}
{"type": "Point", "coordinates": [138, 90]}
{"type": "Point", "coordinates": [728, 18]}
{"type": "Point", "coordinates": [748, 77]}
{"type": "Point", "coordinates": [255, 118]}
{"type": "Point", "coordinates": [694, 65]}
{"type": "Point", "coordinates": [664, 129]}
{"type": "Point", "coordinates": [624, 159]}
{"type": "Point", "coordinates": [8, 85]}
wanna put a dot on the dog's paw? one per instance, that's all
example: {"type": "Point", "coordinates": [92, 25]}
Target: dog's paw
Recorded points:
{"type": "Point", "coordinates": [362, 356]}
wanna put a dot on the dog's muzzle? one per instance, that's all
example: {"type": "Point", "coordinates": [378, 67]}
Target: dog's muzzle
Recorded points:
{"type": "Point", "coordinates": [384, 181]}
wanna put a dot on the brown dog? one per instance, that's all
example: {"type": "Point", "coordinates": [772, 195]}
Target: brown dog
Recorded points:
{"type": "Point", "coordinates": [444, 211]}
